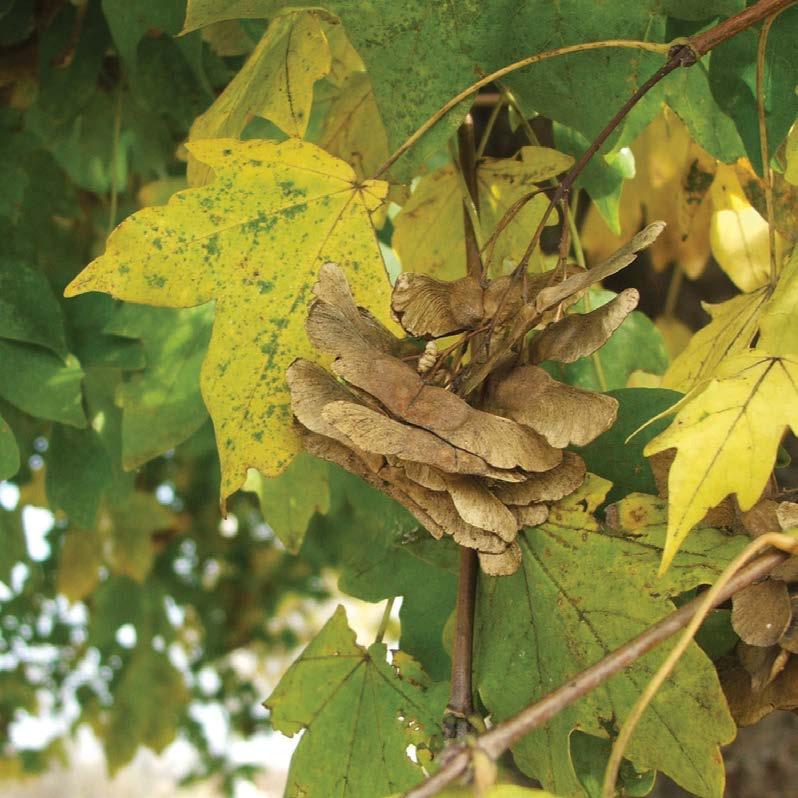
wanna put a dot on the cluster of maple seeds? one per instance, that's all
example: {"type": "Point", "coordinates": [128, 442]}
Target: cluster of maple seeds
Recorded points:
{"type": "Point", "coordinates": [482, 457]}
{"type": "Point", "coordinates": [763, 675]}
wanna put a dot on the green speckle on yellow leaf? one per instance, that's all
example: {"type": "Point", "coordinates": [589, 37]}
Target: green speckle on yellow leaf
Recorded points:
{"type": "Point", "coordinates": [222, 242]}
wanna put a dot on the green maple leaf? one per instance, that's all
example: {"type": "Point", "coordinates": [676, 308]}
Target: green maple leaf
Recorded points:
{"type": "Point", "coordinates": [580, 592]}
{"type": "Point", "coordinates": [359, 714]}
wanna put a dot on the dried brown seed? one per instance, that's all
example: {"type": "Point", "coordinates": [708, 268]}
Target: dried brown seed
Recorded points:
{"type": "Point", "coordinates": [787, 571]}
{"type": "Point", "coordinates": [533, 515]}
{"type": "Point", "coordinates": [312, 389]}
{"type": "Point", "coordinates": [581, 334]}
{"type": "Point", "coordinates": [549, 297]}
{"type": "Point", "coordinates": [562, 414]}
{"type": "Point", "coordinates": [441, 509]}
{"type": "Point", "coordinates": [789, 640]}
{"type": "Point", "coordinates": [551, 485]}
{"type": "Point", "coordinates": [426, 306]}
{"type": "Point", "coordinates": [761, 518]}
{"type": "Point", "coordinates": [500, 442]}
{"type": "Point", "coordinates": [477, 506]}
{"type": "Point", "coordinates": [333, 289]}
{"type": "Point", "coordinates": [503, 563]}
{"type": "Point", "coordinates": [761, 612]}
{"type": "Point", "coordinates": [380, 434]}
{"type": "Point", "coordinates": [763, 665]}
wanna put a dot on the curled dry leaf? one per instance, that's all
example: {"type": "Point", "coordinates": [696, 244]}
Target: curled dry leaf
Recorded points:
{"type": "Point", "coordinates": [562, 414]}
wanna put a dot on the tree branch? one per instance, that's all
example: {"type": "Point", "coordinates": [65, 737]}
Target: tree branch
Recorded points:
{"type": "Point", "coordinates": [495, 742]}
{"type": "Point", "coordinates": [460, 698]}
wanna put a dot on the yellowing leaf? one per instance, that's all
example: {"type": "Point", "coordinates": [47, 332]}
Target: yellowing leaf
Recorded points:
{"type": "Point", "coordinates": [726, 438]}
{"type": "Point", "coordinates": [276, 83]}
{"type": "Point", "coordinates": [738, 234]}
{"type": "Point", "coordinates": [672, 178]}
{"type": "Point", "coordinates": [732, 327]}
{"type": "Point", "coordinates": [779, 323]}
{"type": "Point", "coordinates": [791, 155]}
{"type": "Point", "coordinates": [353, 129]}
{"type": "Point", "coordinates": [428, 232]}
{"type": "Point", "coordinates": [253, 240]}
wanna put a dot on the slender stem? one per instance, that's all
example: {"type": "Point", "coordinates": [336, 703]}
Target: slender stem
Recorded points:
{"type": "Point", "coordinates": [386, 619]}
{"type": "Point", "coordinates": [674, 287]}
{"type": "Point", "coordinates": [460, 697]}
{"type": "Point", "coordinates": [494, 115]}
{"type": "Point", "coordinates": [707, 602]}
{"type": "Point", "coordinates": [767, 174]}
{"type": "Point", "coordinates": [702, 43]}
{"type": "Point", "coordinates": [468, 170]}
{"type": "Point", "coordinates": [505, 734]}
{"type": "Point", "coordinates": [500, 73]}
{"type": "Point", "coordinates": [114, 200]}
{"type": "Point", "coordinates": [676, 60]}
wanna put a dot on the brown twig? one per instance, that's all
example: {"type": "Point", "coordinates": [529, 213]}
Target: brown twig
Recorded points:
{"type": "Point", "coordinates": [684, 53]}
{"type": "Point", "coordinates": [460, 697]}
{"type": "Point", "coordinates": [499, 739]}
{"type": "Point", "coordinates": [500, 73]}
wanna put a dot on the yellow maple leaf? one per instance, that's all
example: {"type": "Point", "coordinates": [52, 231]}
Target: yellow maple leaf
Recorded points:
{"type": "Point", "coordinates": [253, 240]}
{"type": "Point", "coordinates": [672, 179]}
{"type": "Point", "coordinates": [353, 128]}
{"type": "Point", "coordinates": [275, 83]}
{"type": "Point", "coordinates": [428, 232]}
{"type": "Point", "coordinates": [779, 331]}
{"type": "Point", "coordinates": [791, 156]}
{"type": "Point", "coordinates": [731, 330]}
{"type": "Point", "coordinates": [738, 234]}
{"type": "Point", "coordinates": [726, 437]}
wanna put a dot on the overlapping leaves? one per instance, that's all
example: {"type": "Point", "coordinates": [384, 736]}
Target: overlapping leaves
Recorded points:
{"type": "Point", "coordinates": [252, 241]}
{"type": "Point", "coordinates": [540, 626]}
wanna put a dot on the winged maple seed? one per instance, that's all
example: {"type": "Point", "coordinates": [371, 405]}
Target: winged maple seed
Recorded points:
{"type": "Point", "coordinates": [388, 411]}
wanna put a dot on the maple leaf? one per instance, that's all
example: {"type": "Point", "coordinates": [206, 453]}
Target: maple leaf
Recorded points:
{"type": "Point", "coordinates": [726, 437]}
{"type": "Point", "coordinates": [275, 83]}
{"type": "Point", "coordinates": [428, 235]}
{"type": "Point", "coordinates": [355, 708]}
{"type": "Point", "coordinates": [738, 234]}
{"type": "Point", "coordinates": [253, 240]}
{"type": "Point", "coordinates": [538, 627]}
{"type": "Point", "coordinates": [778, 331]}
{"type": "Point", "coordinates": [732, 327]}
